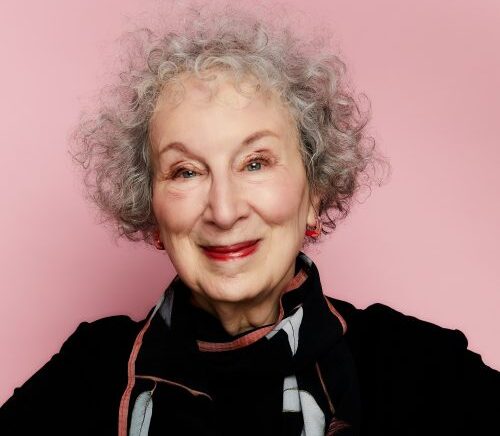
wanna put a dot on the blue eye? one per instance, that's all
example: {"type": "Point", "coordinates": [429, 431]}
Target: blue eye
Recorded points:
{"type": "Point", "coordinates": [191, 172]}
{"type": "Point", "coordinates": [256, 162]}
{"type": "Point", "coordinates": [254, 165]}
{"type": "Point", "coordinates": [184, 173]}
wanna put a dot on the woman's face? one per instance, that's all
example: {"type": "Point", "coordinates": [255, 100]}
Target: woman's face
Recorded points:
{"type": "Point", "coordinates": [228, 170]}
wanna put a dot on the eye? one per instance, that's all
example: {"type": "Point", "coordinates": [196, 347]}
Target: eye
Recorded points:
{"type": "Point", "coordinates": [184, 173]}
{"type": "Point", "coordinates": [255, 163]}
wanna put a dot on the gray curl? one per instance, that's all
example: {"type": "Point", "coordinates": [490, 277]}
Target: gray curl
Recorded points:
{"type": "Point", "coordinates": [112, 143]}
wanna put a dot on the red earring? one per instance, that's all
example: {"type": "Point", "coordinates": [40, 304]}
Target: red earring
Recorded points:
{"type": "Point", "coordinates": [315, 231]}
{"type": "Point", "coordinates": [157, 241]}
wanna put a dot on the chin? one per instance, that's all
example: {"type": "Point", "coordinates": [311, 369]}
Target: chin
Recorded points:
{"type": "Point", "coordinates": [232, 290]}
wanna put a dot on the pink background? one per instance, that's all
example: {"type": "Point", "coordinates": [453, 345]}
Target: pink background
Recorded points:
{"type": "Point", "coordinates": [426, 243]}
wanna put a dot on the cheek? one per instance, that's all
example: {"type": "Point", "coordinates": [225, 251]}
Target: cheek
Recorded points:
{"type": "Point", "coordinates": [176, 212]}
{"type": "Point", "coordinates": [281, 201]}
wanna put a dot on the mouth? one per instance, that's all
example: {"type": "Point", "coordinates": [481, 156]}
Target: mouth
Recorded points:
{"type": "Point", "coordinates": [227, 252]}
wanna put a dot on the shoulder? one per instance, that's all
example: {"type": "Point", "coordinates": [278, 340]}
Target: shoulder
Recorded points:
{"type": "Point", "coordinates": [87, 374]}
{"type": "Point", "coordinates": [99, 350]}
{"type": "Point", "coordinates": [113, 331]}
{"type": "Point", "coordinates": [386, 334]}
{"type": "Point", "coordinates": [407, 366]}
{"type": "Point", "coordinates": [383, 326]}
{"type": "Point", "coordinates": [108, 338]}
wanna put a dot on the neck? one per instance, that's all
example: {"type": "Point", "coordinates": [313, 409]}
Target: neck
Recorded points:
{"type": "Point", "coordinates": [241, 316]}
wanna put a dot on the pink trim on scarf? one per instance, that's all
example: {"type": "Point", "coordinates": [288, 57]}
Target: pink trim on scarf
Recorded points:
{"type": "Point", "coordinates": [337, 314]}
{"type": "Point", "coordinates": [335, 426]}
{"type": "Point", "coordinates": [240, 342]}
{"type": "Point", "coordinates": [335, 423]}
{"type": "Point", "coordinates": [172, 383]}
{"type": "Point", "coordinates": [330, 404]}
{"type": "Point", "coordinates": [125, 400]}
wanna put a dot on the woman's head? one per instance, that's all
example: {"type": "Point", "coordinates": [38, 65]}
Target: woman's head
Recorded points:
{"type": "Point", "coordinates": [227, 170]}
{"type": "Point", "coordinates": [117, 145]}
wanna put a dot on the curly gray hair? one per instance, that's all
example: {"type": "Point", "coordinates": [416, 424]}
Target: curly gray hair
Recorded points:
{"type": "Point", "coordinates": [113, 143]}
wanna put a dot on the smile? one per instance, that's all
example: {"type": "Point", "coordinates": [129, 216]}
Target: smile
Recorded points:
{"type": "Point", "coordinates": [228, 252]}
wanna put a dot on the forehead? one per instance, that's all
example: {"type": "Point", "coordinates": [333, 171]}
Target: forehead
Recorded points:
{"type": "Point", "coordinates": [204, 102]}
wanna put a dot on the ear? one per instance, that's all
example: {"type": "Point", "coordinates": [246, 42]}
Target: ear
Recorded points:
{"type": "Point", "coordinates": [313, 210]}
{"type": "Point", "coordinates": [157, 242]}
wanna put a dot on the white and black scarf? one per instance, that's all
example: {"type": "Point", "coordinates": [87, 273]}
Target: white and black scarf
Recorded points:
{"type": "Point", "coordinates": [295, 377]}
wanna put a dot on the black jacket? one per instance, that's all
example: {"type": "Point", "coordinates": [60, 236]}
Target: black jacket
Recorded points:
{"type": "Point", "coordinates": [415, 379]}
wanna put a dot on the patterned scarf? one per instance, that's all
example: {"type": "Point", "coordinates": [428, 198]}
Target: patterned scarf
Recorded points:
{"type": "Point", "coordinates": [305, 349]}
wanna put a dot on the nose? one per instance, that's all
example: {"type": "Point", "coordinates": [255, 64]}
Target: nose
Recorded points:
{"type": "Point", "coordinates": [227, 202]}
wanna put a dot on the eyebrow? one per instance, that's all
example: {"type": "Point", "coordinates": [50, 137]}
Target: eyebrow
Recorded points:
{"type": "Point", "coordinates": [176, 145]}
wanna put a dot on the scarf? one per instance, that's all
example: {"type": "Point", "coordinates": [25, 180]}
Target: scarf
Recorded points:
{"type": "Point", "coordinates": [294, 377]}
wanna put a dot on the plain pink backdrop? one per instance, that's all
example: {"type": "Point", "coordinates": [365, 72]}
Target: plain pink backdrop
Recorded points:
{"type": "Point", "coordinates": [426, 243]}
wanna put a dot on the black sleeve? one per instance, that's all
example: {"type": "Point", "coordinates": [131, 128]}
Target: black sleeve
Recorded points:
{"type": "Point", "coordinates": [458, 394]}
{"type": "Point", "coordinates": [78, 391]}
{"type": "Point", "coordinates": [474, 388]}
{"type": "Point", "coordinates": [419, 378]}
{"type": "Point", "coordinates": [50, 395]}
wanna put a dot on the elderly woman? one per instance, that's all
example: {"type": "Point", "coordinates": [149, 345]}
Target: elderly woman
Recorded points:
{"type": "Point", "coordinates": [231, 145]}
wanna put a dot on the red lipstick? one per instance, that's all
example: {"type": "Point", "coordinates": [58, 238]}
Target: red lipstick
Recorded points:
{"type": "Point", "coordinates": [228, 252]}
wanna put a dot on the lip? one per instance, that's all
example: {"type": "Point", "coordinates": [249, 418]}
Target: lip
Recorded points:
{"type": "Point", "coordinates": [227, 252]}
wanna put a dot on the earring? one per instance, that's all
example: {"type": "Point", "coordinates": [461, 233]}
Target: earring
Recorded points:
{"type": "Point", "coordinates": [315, 231]}
{"type": "Point", "coordinates": [157, 241]}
